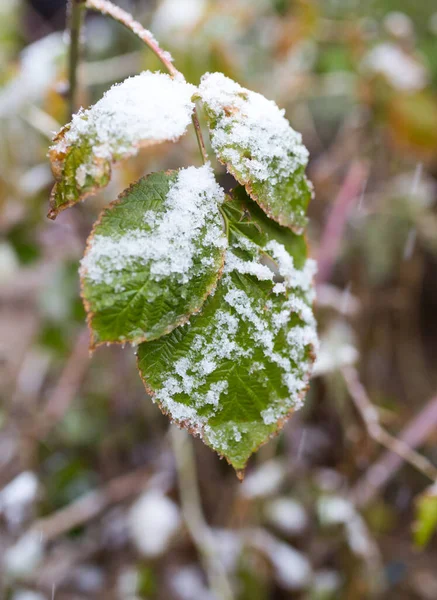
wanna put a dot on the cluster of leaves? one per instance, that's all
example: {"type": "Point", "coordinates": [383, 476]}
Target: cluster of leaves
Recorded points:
{"type": "Point", "coordinates": [307, 55]}
{"type": "Point", "coordinates": [215, 289]}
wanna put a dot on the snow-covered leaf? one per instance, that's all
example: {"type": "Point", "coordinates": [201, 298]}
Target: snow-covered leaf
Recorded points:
{"type": "Point", "coordinates": [251, 136]}
{"type": "Point", "coordinates": [147, 109]}
{"type": "Point", "coordinates": [241, 367]}
{"type": "Point", "coordinates": [153, 256]}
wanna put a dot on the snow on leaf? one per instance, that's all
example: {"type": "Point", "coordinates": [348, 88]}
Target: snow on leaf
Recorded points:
{"type": "Point", "coordinates": [153, 256]}
{"type": "Point", "coordinates": [149, 108]}
{"type": "Point", "coordinates": [251, 136]}
{"type": "Point", "coordinates": [235, 374]}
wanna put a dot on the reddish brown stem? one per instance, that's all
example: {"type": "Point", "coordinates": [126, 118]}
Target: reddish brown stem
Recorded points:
{"type": "Point", "coordinates": [400, 449]}
{"type": "Point", "coordinates": [63, 394]}
{"type": "Point", "coordinates": [333, 233]}
{"type": "Point", "coordinates": [105, 7]}
{"type": "Point", "coordinates": [118, 14]}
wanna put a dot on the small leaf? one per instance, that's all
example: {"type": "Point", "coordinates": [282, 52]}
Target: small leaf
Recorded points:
{"type": "Point", "coordinates": [251, 136]}
{"type": "Point", "coordinates": [153, 256]}
{"type": "Point", "coordinates": [426, 516]}
{"type": "Point", "coordinates": [235, 374]}
{"type": "Point", "coordinates": [149, 108]}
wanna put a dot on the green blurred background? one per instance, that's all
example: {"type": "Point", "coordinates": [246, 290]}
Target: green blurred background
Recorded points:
{"type": "Point", "coordinates": [90, 505]}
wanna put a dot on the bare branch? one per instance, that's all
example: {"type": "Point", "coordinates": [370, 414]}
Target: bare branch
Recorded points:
{"type": "Point", "coordinates": [67, 386]}
{"type": "Point", "coordinates": [192, 511]}
{"type": "Point", "coordinates": [92, 504]}
{"type": "Point", "coordinates": [118, 14]}
{"type": "Point", "coordinates": [386, 467]}
{"type": "Point", "coordinates": [400, 446]}
{"type": "Point", "coordinates": [332, 235]}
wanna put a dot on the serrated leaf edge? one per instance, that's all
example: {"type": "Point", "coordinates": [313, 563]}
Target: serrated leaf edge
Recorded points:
{"type": "Point", "coordinates": [58, 174]}
{"type": "Point", "coordinates": [94, 344]}
{"type": "Point", "coordinates": [183, 424]}
{"type": "Point", "coordinates": [298, 230]}
{"type": "Point", "coordinates": [198, 432]}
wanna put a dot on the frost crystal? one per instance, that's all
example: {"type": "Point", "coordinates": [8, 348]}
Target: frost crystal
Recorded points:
{"type": "Point", "coordinates": [168, 242]}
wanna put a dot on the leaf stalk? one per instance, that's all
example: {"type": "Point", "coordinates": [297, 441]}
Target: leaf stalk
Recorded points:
{"type": "Point", "coordinates": [105, 7]}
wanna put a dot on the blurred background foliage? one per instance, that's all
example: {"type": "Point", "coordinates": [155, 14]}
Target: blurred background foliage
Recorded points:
{"type": "Point", "coordinates": [90, 505]}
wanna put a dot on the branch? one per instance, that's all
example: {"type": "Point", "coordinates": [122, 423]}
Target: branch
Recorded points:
{"type": "Point", "coordinates": [386, 467]}
{"type": "Point", "coordinates": [92, 504]}
{"type": "Point", "coordinates": [333, 232]}
{"type": "Point", "coordinates": [105, 7]}
{"type": "Point", "coordinates": [75, 20]}
{"type": "Point", "coordinates": [67, 386]}
{"type": "Point", "coordinates": [118, 14]}
{"type": "Point", "coordinates": [200, 533]}
{"type": "Point", "coordinates": [401, 447]}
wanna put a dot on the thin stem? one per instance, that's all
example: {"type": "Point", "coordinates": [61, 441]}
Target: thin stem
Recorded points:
{"type": "Point", "coordinates": [105, 7]}
{"type": "Point", "coordinates": [386, 466]}
{"type": "Point", "coordinates": [333, 233]}
{"type": "Point", "coordinates": [118, 14]}
{"type": "Point", "coordinates": [75, 19]}
{"type": "Point", "coordinates": [66, 388]}
{"type": "Point", "coordinates": [92, 504]}
{"type": "Point", "coordinates": [199, 137]}
{"type": "Point", "coordinates": [370, 417]}
{"type": "Point", "coordinates": [200, 533]}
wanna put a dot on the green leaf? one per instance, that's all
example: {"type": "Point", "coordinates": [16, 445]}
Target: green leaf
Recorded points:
{"type": "Point", "coordinates": [149, 108]}
{"type": "Point", "coordinates": [251, 136]}
{"type": "Point", "coordinates": [426, 516]}
{"type": "Point", "coordinates": [153, 256]}
{"type": "Point", "coordinates": [240, 368]}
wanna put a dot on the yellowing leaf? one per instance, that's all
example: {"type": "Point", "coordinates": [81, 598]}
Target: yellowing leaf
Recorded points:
{"type": "Point", "coordinates": [149, 108]}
